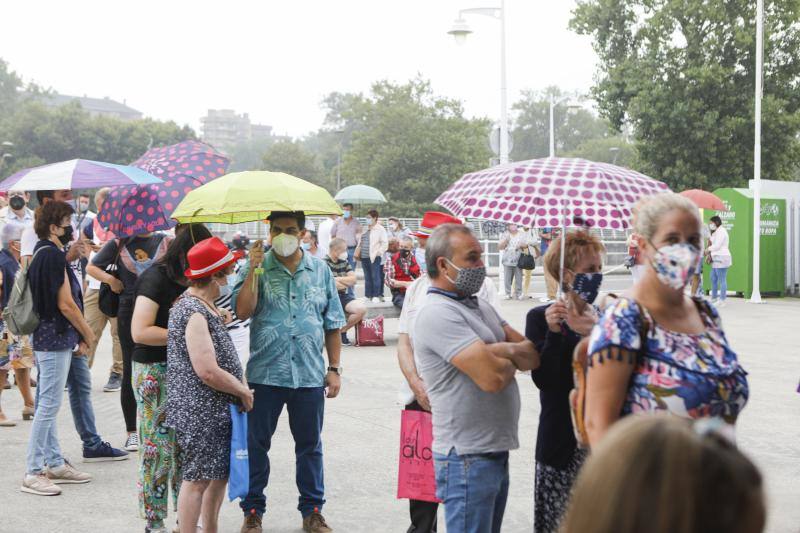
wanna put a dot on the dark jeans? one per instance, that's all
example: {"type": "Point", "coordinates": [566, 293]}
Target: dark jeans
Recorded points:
{"type": "Point", "coordinates": [351, 258]}
{"type": "Point", "coordinates": [398, 298]}
{"type": "Point", "coordinates": [423, 514]}
{"type": "Point", "coordinates": [126, 397]}
{"type": "Point", "coordinates": [305, 407]}
{"type": "Point", "coordinates": [373, 277]}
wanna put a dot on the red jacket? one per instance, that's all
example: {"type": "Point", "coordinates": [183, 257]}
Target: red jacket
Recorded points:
{"type": "Point", "coordinates": [401, 269]}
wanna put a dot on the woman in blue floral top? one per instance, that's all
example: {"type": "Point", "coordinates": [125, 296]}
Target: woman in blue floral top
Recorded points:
{"type": "Point", "coordinates": [658, 349]}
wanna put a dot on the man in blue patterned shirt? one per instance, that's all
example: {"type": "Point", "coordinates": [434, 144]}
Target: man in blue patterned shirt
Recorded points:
{"type": "Point", "coordinates": [295, 310]}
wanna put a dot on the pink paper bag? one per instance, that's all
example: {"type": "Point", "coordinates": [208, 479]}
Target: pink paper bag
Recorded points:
{"type": "Point", "coordinates": [416, 480]}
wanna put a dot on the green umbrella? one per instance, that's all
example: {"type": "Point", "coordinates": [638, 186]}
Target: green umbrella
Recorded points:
{"type": "Point", "coordinates": [360, 195]}
{"type": "Point", "coordinates": [253, 195]}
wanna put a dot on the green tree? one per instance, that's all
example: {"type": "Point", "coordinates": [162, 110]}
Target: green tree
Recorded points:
{"type": "Point", "coordinates": [10, 84]}
{"type": "Point", "coordinates": [531, 131]}
{"type": "Point", "coordinates": [408, 142]}
{"type": "Point", "coordinates": [609, 150]}
{"type": "Point", "coordinates": [49, 135]}
{"type": "Point", "coordinates": [248, 155]}
{"type": "Point", "coordinates": [294, 158]}
{"type": "Point", "coordinates": [681, 73]}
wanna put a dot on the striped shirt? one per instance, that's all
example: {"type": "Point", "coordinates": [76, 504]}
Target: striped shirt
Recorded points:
{"type": "Point", "coordinates": [339, 268]}
{"type": "Point", "coordinates": [224, 302]}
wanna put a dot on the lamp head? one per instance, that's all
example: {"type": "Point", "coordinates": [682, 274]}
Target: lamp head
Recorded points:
{"type": "Point", "coordinates": [460, 30]}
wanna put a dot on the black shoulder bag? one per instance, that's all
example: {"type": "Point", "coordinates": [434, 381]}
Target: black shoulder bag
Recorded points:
{"type": "Point", "coordinates": [108, 300]}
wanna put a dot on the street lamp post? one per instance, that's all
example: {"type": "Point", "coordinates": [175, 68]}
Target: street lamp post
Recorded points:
{"type": "Point", "coordinates": [756, 295]}
{"type": "Point", "coordinates": [553, 104]}
{"type": "Point", "coordinates": [614, 150]}
{"type": "Point", "coordinates": [339, 161]}
{"type": "Point", "coordinates": [5, 153]}
{"type": "Point", "coordinates": [460, 30]}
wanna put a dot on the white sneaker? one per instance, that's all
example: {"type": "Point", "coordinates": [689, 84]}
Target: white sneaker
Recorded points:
{"type": "Point", "coordinates": [545, 300]}
{"type": "Point", "coordinates": [132, 442]}
{"type": "Point", "coordinates": [507, 297]}
{"type": "Point", "coordinates": [39, 484]}
{"type": "Point", "coordinates": [67, 474]}
{"type": "Point", "coordinates": [520, 297]}
{"type": "Point", "coordinates": [376, 300]}
{"type": "Point", "coordinates": [721, 303]}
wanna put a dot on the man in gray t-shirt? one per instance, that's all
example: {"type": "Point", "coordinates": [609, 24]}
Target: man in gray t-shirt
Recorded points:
{"type": "Point", "coordinates": [465, 418]}
{"type": "Point", "coordinates": [468, 357]}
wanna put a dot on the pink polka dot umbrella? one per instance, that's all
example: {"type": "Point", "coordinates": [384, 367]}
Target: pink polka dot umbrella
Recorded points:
{"type": "Point", "coordinates": [551, 192]}
{"type": "Point", "coordinates": [141, 209]}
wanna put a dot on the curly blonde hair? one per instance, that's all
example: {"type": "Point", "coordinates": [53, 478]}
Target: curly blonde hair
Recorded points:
{"type": "Point", "coordinates": [577, 243]}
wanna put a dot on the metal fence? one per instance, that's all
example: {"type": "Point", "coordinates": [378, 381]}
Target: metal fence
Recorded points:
{"type": "Point", "coordinates": [487, 233]}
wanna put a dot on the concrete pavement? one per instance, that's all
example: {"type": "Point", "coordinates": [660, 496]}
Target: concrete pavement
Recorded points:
{"type": "Point", "coordinates": [361, 442]}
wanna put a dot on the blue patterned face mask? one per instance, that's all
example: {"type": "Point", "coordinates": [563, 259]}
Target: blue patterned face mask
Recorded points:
{"type": "Point", "coordinates": [674, 264]}
{"type": "Point", "coordinates": [587, 285]}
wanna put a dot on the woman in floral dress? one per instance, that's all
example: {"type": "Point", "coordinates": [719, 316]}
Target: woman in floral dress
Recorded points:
{"type": "Point", "coordinates": [204, 376]}
{"type": "Point", "coordinates": [659, 349]}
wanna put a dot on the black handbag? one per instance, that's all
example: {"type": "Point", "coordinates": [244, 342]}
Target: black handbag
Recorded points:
{"type": "Point", "coordinates": [526, 261]}
{"type": "Point", "coordinates": [108, 300]}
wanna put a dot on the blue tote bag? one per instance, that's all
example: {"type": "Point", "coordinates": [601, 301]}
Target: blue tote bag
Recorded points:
{"type": "Point", "coordinates": [239, 480]}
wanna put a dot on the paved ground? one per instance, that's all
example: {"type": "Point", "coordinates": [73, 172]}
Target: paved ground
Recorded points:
{"type": "Point", "coordinates": [361, 442]}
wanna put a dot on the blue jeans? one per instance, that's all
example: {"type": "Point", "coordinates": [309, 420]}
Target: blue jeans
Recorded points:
{"type": "Point", "coordinates": [719, 279]}
{"type": "Point", "coordinates": [79, 381]}
{"type": "Point", "coordinates": [305, 407]}
{"type": "Point", "coordinates": [43, 447]}
{"type": "Point", "coordinates": [474, 489]}
{"type": "Point", "coordinates": [351, 258]}
{"type": "Point", "coordinates": [373, 277]}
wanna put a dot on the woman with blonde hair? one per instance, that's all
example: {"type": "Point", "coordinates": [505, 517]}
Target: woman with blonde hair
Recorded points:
{"type": "Point", "coordinates": [657, 349]}
{"type": "Point", "coordinates": [662, 474]}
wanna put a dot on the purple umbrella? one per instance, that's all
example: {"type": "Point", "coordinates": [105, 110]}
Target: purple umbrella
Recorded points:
{"type": "Point", "coordinates": [183, 167]}
{"type": "Point", "coordinates": [76, 174]}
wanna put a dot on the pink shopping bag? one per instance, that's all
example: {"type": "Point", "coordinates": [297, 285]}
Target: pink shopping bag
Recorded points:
{"type": "Point", "coordinates": [416, 480]}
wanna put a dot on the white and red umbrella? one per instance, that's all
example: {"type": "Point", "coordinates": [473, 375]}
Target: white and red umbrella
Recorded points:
{"type": "Point", "coordinates": [551, 192]}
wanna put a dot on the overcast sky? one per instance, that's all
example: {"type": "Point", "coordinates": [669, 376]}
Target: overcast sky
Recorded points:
{"type": "Point", "coordinates": [275, 60]}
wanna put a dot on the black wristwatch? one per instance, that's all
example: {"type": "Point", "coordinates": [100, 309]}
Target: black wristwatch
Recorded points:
{"type": "Point", "coordinates": [336, 369]}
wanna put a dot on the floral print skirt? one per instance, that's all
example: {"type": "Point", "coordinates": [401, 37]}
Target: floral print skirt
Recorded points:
{"type": "Point", "coordinates": [160, 459]}
{"type": "Point", "coordinates": [553, 487]}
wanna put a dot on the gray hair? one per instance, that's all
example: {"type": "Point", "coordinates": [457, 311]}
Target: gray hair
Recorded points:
{"type": "Point", "coordinates": [407, 239]}
{"type": "Point", "coordinates": [337, 242]}
{"type": "Point", "coordinates": [439, 245]}
{"type": "Point", "coordinates": [12, 231]}
{"type": "Point", "coordinates": [649, 211]}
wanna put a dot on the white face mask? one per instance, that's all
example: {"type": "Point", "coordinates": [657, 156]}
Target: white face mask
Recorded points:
{"type": "Point", "coordinates": [285, 245]}
{"type": "Point", "coordinates": [343, 256]}
{"type": "Point", "coordinates": [712, 226]}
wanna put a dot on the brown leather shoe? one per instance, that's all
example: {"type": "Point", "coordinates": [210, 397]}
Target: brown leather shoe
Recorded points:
{"type": "Point", "coordinates": [252, 523]}
{"type": "Point", "coordinates": [315, 523]}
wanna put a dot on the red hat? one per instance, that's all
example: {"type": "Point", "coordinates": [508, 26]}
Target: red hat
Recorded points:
{"type": "Point", "coordinates": [430, 221]}
{"type": "Point", "coordinates": [207, 257]}
{"type": "Point", "coordinates": [238, 254]}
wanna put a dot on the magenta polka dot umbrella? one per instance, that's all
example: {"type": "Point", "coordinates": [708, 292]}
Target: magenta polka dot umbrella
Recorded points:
{"type": "Point", "coordinates": [141, 209]}
{"type": "Point", "coordinates": [551, 192]}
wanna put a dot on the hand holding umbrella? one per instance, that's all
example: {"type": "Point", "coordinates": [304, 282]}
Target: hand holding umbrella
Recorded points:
{"type": "Point", "coordinates": [257, 258]}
